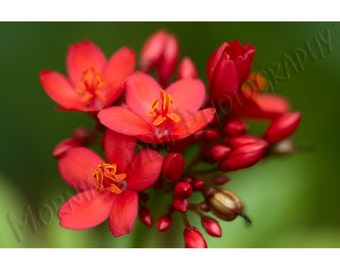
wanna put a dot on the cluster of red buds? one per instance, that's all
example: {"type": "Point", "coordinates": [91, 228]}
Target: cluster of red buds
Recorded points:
{"type": "Point", "coordinates": [159, 130]}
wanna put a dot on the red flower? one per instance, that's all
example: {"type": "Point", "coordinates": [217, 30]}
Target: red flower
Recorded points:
{"type": "Point", "coordinates": [227, 68]}
{"type": "Point", "coordinates": [93, 82]}
{"type": "Point", "coordinates": [107, 190]}
{"type": "Point", "coordinates": [154, 115]}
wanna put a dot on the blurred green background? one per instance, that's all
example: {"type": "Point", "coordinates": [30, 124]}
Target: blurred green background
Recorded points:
{"type": "Point", "coordinates": [293, 201]}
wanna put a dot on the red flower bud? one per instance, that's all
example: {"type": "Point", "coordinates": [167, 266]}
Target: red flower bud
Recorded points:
{"type": "Point", "coordinates": [282, 127]}
{"type": "Point", "coordinates": [187, 69]}
{"type": "Point", "coordinates": [239, 140]}
{"type": "Point", "coordinates": [197, 184]}
{"type": "Point", "coordinates": [244, 156]}
{"type": "Point", "coordinates": [145, 216]}
{"type": "Point", "coordinates": [204, 206]}
{"type": "Point", "coordinates": [63, 146]}
{"type": "Point", "coordinates": [221, 180]}
{"type": "Point", "coordinates": [235, 127]}
{"type": "Point", "coordinates": [183, 190]}
{"type": "Point", "coordinates": [173, 166]}
{"type": "Point", "coordinates": [164, 223]}
{"type": "Point", "coordinates": [211, 226]}
{"type": "Point", "coordinates": [227, 68]}
{"type": "Point", "coordinates": [210, 135]}
{"type": "Point", "coordinates": [83, 134]}
{"type": "Point", "coordinates": [216, 152]}
{"type": "Point", "coordinates": [181, 205]}
{"type": "Point", "coordinates": [193, 238]}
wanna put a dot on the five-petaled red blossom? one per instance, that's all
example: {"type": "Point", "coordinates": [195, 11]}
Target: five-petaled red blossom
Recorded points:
{"type": "Point", "coordinates": [93, 81]}
{"type": "Point", "coordinates": [154, 115]}
{"type": "Point", "coordinates": [107, 189]}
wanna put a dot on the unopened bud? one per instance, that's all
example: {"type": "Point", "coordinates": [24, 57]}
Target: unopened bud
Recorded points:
{"type": "Point", "coordinates": [239, 140]}
{"type": "Point", "coordinates": [145, 216]}
{"type": "Point", "coordinates": [282, 127]}
{"type": "Point", "coordinates": [187, 69]}
{"type": "Point", "coordinates": [193, 238]}
{"type": "Point", "coordinates": [221, 179]}
{"type": "Point", "coordinates": [235, 127]}
{"type": "Point", "coordinates": [210, 135]}
{"type": "Point", "coordinates": [62, 147]}
{"type": "Point", "coordinates": [183, 190]}
{"type": "Point", "coordinates": [197, 184]}
{"type": "Point", "coordinates": [173, 166]}
{"type": "Point", "coordinates": [216, 152]}
{"type": "Point", "coordinates": [225, 204]}
{"type": "Point", "coordinates": [164, 223]}
{"type": "Point", "coordinates": [181, 205]}
{"type": "Point", "coordinates": [211, 226]}
{"type": "Point", "coordinates": [244, 156]}
{"type": "Point", "coordinates": [83, 134]}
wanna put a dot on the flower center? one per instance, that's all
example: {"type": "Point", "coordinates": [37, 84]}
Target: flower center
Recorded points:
{"type": "Point", "coordinates": [161, 109]}
{"type": "Point", "coordinates": [106, 177]}
{"type": "Point", "coordinates": [90, 85]}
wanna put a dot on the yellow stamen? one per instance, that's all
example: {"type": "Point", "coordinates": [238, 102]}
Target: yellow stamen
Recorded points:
{"type": "Point", "coordinates": [161, 109]}
{"type": "Point", "coordinates": [106, 177]}
{"type": "Point", "coordinates": [91, 85]}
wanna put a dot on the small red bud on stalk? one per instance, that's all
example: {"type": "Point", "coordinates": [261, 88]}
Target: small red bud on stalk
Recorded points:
{"type": "Point", "coordinates": [164, 223]}
{"type": "Point", "coordinates": [173, 166]}
{"type": "Point", "coordinates": [235, 127]}
{"type": "Point", "coordinates": [187, 69]}
{"type": "Point", "coordinates": [211, 226]}
{"type": "Point", "coordinates": [210, 135]}
{"type": "Point", "coordinates": [180, 204]}
{"type": "Point", "coordinates": [63, 146]}
{"type": "Point", "coordinates": [221, 179]}
{"type": "Point", "coordinates": [145, 216]}
{"type": "Point", "coordinates": [197, 185]}
{"type": "Point", "coordinates": [225, 204]}
{"type": "Point", "coordinates": [83, 134]}
{"type": "Point", "coordinates": [193, 238]}
{"type": "Point", "coordinates": [204, 206]}
{"type": "Point", "coordinates": [244, 156]}
{"type": "Point", "coordinates": [216, 152]}
{"type": "Point", "coordinates": [282, 127]}
{"type": "Point", "coordinates": [239, 140]}
{"type": "Point", "coordinates": [183, 190]}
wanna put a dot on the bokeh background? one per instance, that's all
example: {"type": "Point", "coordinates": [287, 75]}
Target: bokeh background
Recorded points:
{"type": "Point", "coordinates": [293, 201]}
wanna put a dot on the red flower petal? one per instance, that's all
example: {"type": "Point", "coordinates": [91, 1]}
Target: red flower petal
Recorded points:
{"type": "Point", "coordinates": [121, 64]}
{"type": "Point", "coordinates": [188, 95]}
{"type": "Point", "coordinates": [191, 123]}
{"type": "Point", "coordinates": [81, 56]}
{"type": "Point", "coordinates": [144, 170]}
{"type": "Point", "coordinates": [77, 165]}
{"type": "Point", "coordinates": [123, 213]}
{"type": "Point", "coordinates": [119, 149]}
{"type": "Point", "coordinates": [124, 121]}
{"type": "Point", "coordinates": [59, 89]}
{"type": "Point", "coordinates": [141, 92]}
{"type": "Point", "coordinates": [86, 209]}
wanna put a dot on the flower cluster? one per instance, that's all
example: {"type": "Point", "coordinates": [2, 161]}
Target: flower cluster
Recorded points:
{"type": "Point", "coordinates": [161, 128]}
